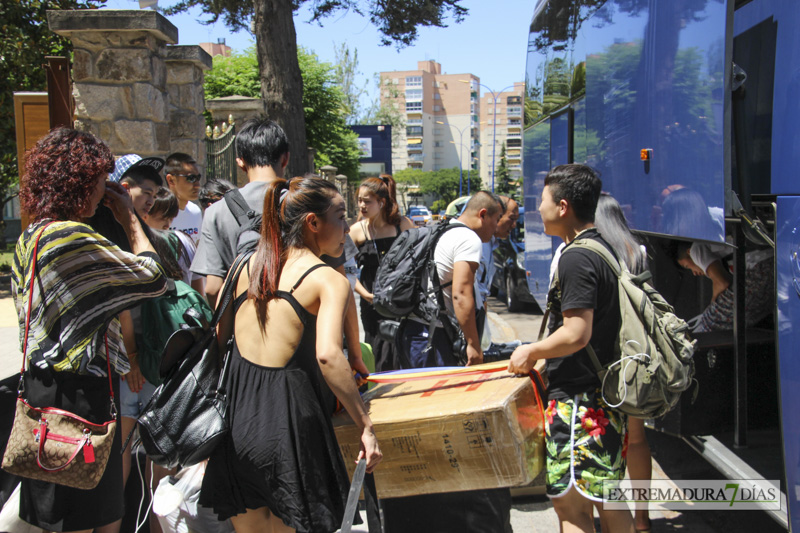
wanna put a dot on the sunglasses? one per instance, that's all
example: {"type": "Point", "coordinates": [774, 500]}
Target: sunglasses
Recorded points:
{"type": "Point", "coordinates": [191, 178]}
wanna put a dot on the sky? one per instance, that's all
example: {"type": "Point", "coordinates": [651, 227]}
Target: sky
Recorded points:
{"type": "Point", "coordinates": [490, 43]}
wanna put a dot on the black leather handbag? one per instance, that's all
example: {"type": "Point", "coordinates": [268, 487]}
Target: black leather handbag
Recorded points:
{"type": "Point", "coordinates": [186, 417]}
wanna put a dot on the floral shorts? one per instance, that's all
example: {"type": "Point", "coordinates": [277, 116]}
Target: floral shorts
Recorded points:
{"type": "Point", "coordinates": [586, 444]}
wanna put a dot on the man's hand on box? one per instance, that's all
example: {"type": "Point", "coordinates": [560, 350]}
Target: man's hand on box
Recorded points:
{"type": "Point", "coordinates": [521, 361]}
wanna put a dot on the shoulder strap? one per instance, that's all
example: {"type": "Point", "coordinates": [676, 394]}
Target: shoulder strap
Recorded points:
{"type": "Point", "coordinates": [229, 287]}
{"type": "Point", "coordinates": [611, 261]}
{"type": "Point", "coordinates": [238, 206]}
{"type": "Point", "coordinates": [599, 249]}
{"type": "Point", "coordinates": [306, 273]}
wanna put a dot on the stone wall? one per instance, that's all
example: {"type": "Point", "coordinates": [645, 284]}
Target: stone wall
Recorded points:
{"type": "Point", "coordinates": [185, 67]}
{"type": "Point", "coordinates": [131, 89]}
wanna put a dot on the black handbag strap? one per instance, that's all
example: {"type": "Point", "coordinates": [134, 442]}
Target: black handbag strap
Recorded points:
{"type": "Point", "coordinates": [229, 287]}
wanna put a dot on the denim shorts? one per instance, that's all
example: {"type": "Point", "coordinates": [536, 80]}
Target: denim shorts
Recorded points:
{"type": "Point", "coordinates": [132, 403]}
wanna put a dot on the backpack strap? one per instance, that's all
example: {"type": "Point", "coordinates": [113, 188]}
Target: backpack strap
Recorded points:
{"type": "Point", "coordinates": [611, 261]}
{"type": "Point", "coordinates": [439, 287]}
{"type": "Point", "coordinates": [238, 206]}
{"type": "Point", "coordinates": [599, 249]}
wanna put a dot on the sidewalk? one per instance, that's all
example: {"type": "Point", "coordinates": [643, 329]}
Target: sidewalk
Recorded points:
{"type": "Point", "coordinates": [10, 356]}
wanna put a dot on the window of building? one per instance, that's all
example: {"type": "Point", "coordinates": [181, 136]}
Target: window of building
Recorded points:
{"type": "Point", "coordinates": [513, 122]}
{"type": "Point", "coordinates": [437, 96]}
{"type": "Point", "coordinates": [413, 81]}
{"type": "Point", "coordinates": [414, 131]}
{"type": "Point", "coordinates": [413, 94]}
{"type": "Point", "coordinates": [515, 110]}
{"type": "Point", "coordinates": [413, 106]}
{"type": "Point", "coordinates": [414, 121]}
{"type": "Point", "coordinates": [437, 144]}
{"type": "Point", "coordinates": [437, 108]}
{"type": "Point", "coordinates": [396, 80]}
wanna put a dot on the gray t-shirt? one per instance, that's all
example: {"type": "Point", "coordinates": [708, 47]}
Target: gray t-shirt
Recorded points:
{"type": "Point", "coordinates": [217, 247]}
{"type": "Point", "coordinates": [218, 236]}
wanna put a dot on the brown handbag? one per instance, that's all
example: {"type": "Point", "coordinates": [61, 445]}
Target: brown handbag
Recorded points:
{"type": "Point", "coordinates": [51, 444]}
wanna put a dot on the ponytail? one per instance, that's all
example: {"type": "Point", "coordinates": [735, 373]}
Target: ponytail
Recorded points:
{"type": "Point", "coordinates": [286, 205]}
{"type": "Point", "coordinates": [269, 254]}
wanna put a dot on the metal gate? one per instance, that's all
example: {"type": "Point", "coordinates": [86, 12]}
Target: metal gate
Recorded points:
{"type": "Point", "coordinates": [221, 152]}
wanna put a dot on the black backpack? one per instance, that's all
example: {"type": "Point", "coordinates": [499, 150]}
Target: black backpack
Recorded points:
{"type": "Point", "coordinates": [248, 219]}
{"type": "Point", "coordinates": [407, 282]}
{"type": "Point", "coordinates": [402, 282]}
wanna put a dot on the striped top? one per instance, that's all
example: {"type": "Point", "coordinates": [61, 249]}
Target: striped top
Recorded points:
{"type": "Point", "coordinates": [87, 281]}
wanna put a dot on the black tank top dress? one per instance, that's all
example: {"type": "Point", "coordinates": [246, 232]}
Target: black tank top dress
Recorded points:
{"type": "Point", "coordinates": [281, 452]}
{"type": "Point", "coordinates": [370, 254]}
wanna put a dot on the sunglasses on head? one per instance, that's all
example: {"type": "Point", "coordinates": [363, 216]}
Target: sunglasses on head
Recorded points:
{"type": "Point", "coordinates": [191, 178]}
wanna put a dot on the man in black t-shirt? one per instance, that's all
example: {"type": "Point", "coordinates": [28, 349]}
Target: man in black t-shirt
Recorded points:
{"type": "Point", "coordinates": [586, 440]}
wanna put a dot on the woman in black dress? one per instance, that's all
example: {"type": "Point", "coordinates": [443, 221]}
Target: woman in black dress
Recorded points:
{"type": "Point", "coordinates": [280, 468]}
{"type": "Point", "coordinates": [379, 225]}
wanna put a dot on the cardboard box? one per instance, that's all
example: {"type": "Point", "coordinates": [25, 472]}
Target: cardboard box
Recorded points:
{"type": "Point", "coordinates": [451, 433]}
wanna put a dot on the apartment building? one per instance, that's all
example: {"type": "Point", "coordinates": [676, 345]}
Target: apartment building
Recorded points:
{"type": "Point", "coordinates": [501, 122]}
{"type": "Point", "coordinates": [441, 110]}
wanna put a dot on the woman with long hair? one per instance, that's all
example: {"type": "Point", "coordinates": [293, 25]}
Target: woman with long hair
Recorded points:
{"type": "Point", "coordinates": [280, 468]}
{"type": "Point", "coordinates": [613, 226]}
{"type": "Point", "coordinates": [379, 225]}
{"type": "Point", "coordinates": [83, 282]}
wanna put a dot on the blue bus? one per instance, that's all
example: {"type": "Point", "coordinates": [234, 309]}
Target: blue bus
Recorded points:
{"type": "Point", "coordinates": [701, 97]}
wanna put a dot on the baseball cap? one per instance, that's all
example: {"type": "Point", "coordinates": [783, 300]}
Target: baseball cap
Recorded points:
{"type": "Point", "coordinates": [127, 162]}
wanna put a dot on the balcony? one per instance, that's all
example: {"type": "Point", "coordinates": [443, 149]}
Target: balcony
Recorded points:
{"type": "Point", "coordinates": [414, 147]}
{"type": "Point", "coordinates": [414, 131]}
{"type": "Point", "coordinates": [513, 111]}
{"type": "Point", "coordinates": [514, 100]}
{"type": "Point", "coordinates": [417, 158]}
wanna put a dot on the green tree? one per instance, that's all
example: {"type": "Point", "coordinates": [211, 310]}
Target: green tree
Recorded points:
{"type": "Point", "coordinates": [276, 44]}
{"type": "Point", "coordinates": [444, 185]}
{"type": "Point", "coordinates": [502, 177]}
{"type": "Point", "coordinates": [324, 104]}
{"type": "Point", "coordinates": [25, 40]}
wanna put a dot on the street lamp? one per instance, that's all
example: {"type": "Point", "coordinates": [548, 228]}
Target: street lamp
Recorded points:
{"type": "Point", "coordinates": [460, 155]}
{"type": "Point", "coordinates": [494, 120]}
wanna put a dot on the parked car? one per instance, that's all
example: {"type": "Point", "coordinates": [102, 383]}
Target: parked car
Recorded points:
{"type": "Point", "coordinates": [510, 277]}
{"type": "Point", "coordinates": [455, 207]}
{"type": "Point", "coordinates": [419, 215]}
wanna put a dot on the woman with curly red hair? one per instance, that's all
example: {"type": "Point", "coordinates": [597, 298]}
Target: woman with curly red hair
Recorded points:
{"type": "Point", "coordinates": [379, 225]}
{"type": "Point", "coordinates": [82, 282]}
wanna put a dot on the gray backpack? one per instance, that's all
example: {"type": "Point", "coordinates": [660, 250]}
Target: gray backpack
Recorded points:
{"type": "Point", "coordinates": [653, 356]}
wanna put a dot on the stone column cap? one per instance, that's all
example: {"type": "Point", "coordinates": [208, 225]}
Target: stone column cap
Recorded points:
{"type": "Point", "coordinates": [66, 22]}
{"type": "Point", "coordinates": [190, 53]}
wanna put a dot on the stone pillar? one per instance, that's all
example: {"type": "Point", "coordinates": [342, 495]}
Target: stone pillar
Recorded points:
{"type": "Point", "coordinates": [185, 68]}
{"type": "Point", "coordinates": [119, 76]}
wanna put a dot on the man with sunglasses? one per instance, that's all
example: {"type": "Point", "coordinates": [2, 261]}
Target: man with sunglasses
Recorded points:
{"type": "Point", "coordinates": [183, 179]}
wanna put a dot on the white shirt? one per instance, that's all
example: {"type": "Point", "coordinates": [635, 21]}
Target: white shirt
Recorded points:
{"type": "Point", "coordinates": [191, 249]}
{"type": "Point", "coordinates": [457, 244]}
{"type": "Point", "coordinates": [189, 221]}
